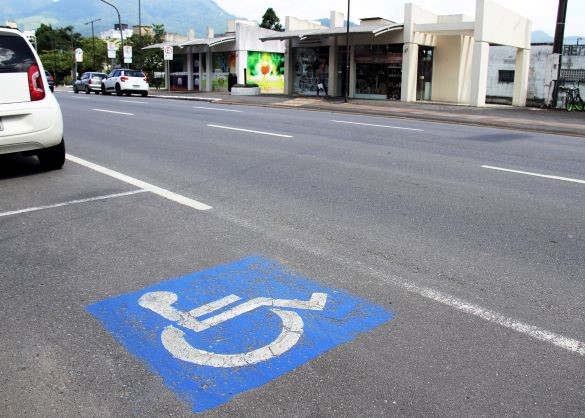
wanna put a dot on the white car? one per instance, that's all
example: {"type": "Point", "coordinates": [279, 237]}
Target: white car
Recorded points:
{"type": "Point", "coordinates": [125, 81]}
{"type": "Point", "coordinates": [30, 117]}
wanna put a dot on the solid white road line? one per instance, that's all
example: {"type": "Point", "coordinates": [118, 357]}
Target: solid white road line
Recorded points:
{"type": "Point", "coordinates": [382, 278]}
{"type": "Point", "coordinates": [215, 108]}
{"type": "Point", "coordinates": [248, 130]}
{"type": "Point", "coordinates": [72, 202]}
{"type": "Point", "coordinates": [132, 101]}
{"type": "Point", "coordinates": [141, 184]}
{"type": "Point", "coordinates": [378, 126]}
{"type": "Point", "coordinates": [534, 174]}
{"type": "Point", "coordinates": [111, 111]}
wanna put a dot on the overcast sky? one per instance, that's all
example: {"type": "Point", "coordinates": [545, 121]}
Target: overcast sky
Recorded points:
{"type": "Point", "coordinates": [542, 12]}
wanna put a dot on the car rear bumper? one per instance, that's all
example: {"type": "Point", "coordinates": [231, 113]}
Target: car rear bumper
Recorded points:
{"type": "Point", "coordinates": [31, 125]}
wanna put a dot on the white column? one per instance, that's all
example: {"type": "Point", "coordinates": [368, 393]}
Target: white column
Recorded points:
{"type": "Point", "coordinates": [190, 69]}
{"type": "Point", "coordinates": [352, 75]}
{"type": "Point", "coordinates": [288, 68]}
{"type": "Point", "coordinates": [209, 70]}
{"type": "Point", "coordinates": [200, 69]}
{"type": "Point", "coordinates": [332, 84]}
{"type": "Point", "coordinates": [521, 77]}
{"type": "Point", "coordinates": [479, 73]}
{"type": "Point", "coordinates": [241, 64]}
{"type": "Point", "coordinates": [409, 72]}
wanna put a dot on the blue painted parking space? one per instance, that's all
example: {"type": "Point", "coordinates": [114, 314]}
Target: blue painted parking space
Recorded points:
{"type": "Point", "coordinates": [222, 331]}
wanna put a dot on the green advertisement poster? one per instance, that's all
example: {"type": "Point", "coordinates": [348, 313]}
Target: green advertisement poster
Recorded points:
{"type": "Point", "coordinates": [267, 70]}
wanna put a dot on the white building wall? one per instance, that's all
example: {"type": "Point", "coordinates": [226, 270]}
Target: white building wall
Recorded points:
{"type": "Point", "coordinates": [541, 72]}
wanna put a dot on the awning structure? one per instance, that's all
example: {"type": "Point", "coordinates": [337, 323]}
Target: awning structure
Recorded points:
{"type": "Point", "coordinates": [195, 42]}
{"type": "Point", "coordinates": [209, 41]}
{"type": "Point", "coordinates": [161, 45]}
{"type": "Point", "coordinates": [374, 30]}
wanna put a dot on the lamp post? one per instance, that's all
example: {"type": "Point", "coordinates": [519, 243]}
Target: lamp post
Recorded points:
{"type": "Point", "coordinates": [347, 56]}
{"type": "Point", "coordinates": [119, 27]}
{"type": "Point", "coordinates": [93, 39]}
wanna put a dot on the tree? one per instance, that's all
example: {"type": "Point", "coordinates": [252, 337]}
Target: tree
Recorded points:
{"type": "Point", "coordinates": [55, 47]}
{"type": "Point", "coordinates": [148, 60]}
{"type": "Point", "coordinates": [271, 21]}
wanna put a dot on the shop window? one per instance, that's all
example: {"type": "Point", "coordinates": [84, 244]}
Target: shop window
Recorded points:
{"type": "Point", "coordinates": [311, 69]}
{"type": "Point", "coordinates": [506, 76]}
{"type": "Point", "coordinates": [378, 71]}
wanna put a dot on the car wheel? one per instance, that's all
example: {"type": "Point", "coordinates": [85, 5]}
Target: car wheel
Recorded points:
{"type": "Point", "coordinates": [52, 158]}
{"type": "Point", "coordinates": [87, 90]}
{"type": "Point", "coordinates": [75, 90]}
{"type": "Point", "coordinates": [97, 92]}
{"type": "Point", "coordinates": [128, 93]}
{"type": "Point", "coordinates": [144, 93]}
{"type": "Point", "coordinates": [118, 90]}
{"type": "Point", "coordinates": [104, 92]}
{"type": "Point", "coordinates": [52, 88]}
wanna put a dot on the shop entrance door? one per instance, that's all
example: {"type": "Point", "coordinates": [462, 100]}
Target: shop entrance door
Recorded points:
{"type": "Point", "coordinates": [425, 73]}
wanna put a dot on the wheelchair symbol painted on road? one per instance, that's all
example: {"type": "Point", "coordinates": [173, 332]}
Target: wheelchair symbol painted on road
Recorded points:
{"type": "Point", "coordinates": [173, 339]}
{"type": "Point", "coordinates": [216, 333]}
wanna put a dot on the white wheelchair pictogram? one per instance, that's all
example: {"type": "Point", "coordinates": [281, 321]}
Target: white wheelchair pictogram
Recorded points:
{"type": "Point", "coordinates": [173, 339]}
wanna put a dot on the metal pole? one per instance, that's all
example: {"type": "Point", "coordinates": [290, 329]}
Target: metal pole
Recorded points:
{"type": "Point", "coordinates": [140, 32]}
{"type": "Point", "coordinates": [347, 56]}
{"type": "Point", "coordinates": [119, 27]}
{"type": "Point", "coordinates": [93, 40]}
{"type": "Point", "coordinates": [558, 44]}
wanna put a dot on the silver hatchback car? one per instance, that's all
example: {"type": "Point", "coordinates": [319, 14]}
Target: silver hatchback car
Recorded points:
{"type": "Point", "coordinates": [88, 82]}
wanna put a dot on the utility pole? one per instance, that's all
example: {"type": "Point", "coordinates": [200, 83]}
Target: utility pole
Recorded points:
{"type": "Point", "coordinates": [119, 27]}
{"type": "Point", "coordinates": [93, 39]}
{"type": "Point", "coordinates": [558, 44]}
{"type": "Point", "coordinates": [347, 56]}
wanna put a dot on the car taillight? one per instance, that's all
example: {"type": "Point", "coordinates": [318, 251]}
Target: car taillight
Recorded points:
{"type": "Point", "coordinates": [123, 78]}
{"type": "Point", "coordinates": [35, 83]}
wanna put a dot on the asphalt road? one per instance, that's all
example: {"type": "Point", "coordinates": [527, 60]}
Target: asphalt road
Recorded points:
{"type": "Point", "coordinates": [482, 268]}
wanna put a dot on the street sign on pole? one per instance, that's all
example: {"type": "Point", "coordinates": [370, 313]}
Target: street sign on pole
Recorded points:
{"type": "Point", "coordinates": [111, 50]}
{"type": "Point", "coordinates": [127, 54]}
{"type": "Point", "coordinates": [168, 52]}
{"type": "Point", "coordinates": [78, 55]}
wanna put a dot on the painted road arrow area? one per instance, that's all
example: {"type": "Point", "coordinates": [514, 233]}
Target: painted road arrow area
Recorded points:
{"type": "Point", "coordinates": [216, 333]}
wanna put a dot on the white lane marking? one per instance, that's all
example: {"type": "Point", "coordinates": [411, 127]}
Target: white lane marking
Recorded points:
{"type": "Point", "coordinates": [378, 126]}
{"type": "Point", "coordinates": [71, 202]}
{"type": "Point", "coordinates": [383, 279]}
{"type": "Point", "coordinates": [167, 194]}
{"type": "Point", "coordinates": [215, 108]}
{"type": "Point", "coordinates": [132, 101]}
{"type": "Point", "coordinates": [533, 331]}
{"type": "Point", "coordinates": [251, 131]}
{"type": "Point", "coordinates": [111, 111]}
{"type": "Point", "coordinates": [546, 176]}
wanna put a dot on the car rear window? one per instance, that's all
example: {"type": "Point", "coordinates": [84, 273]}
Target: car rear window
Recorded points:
{"type": "Point", "coordinates": [99, 75]}
{"type": "Point", "coordinates": [15, 54]}
{"type": "Point", "coordinates": [133, 73]}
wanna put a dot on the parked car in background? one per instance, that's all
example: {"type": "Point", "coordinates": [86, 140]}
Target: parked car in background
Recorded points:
{"type": "Point", "coordinates": [30, 119]}
{"type": "Point", "coordinates": [50, 80]}
{"type": "Point", "coordinates": [88, 82]}
{"type": "Point", "coordinates": [125, 81]}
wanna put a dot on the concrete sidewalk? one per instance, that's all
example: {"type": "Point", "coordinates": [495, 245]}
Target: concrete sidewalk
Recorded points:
{"type": "Point", "coordinates": [553, 121]}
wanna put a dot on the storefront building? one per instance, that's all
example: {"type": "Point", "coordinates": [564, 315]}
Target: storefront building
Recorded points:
{"type": "Point", "coordinates": [216, 63]}
{"type": "Point", "coordinates": [428, 57]}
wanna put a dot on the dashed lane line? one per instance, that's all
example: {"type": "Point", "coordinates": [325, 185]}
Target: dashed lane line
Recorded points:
{"type": "Point", "coordinates": [378, 126]}
{"type": "Point", "coordinates": [528, 173]}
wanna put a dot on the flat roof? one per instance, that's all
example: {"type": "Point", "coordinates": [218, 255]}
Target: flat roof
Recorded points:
{"type": "Point", "coordinates": [195, 42]}
{"type": "Point", "coordinates": [309, 33]}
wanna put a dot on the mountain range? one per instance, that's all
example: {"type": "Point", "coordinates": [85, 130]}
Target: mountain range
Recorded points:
{"type": "Point", "coordinates": [177, 16]}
